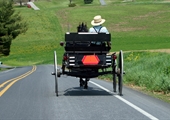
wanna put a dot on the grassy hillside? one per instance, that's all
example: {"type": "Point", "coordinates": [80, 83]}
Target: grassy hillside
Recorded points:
{"type": "Point", "coordinates": [134, 26]}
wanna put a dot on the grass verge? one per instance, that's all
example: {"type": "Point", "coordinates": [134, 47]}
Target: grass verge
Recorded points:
{"type": "Point", "coordinates": [148, 72]}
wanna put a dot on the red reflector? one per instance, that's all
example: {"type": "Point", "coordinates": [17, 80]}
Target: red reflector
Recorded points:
{"type": "Point", "coordinates": [90, 60]}
{"type": "Point", "coordinates": [114, 57]}
{"type": "Point", "coordinates": [65, 57]}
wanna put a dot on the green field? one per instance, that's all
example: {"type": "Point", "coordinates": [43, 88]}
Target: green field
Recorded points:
{"type": "Point", "coordinates": [134, 25]}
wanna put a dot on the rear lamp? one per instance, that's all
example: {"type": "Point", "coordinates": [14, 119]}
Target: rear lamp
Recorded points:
{"type": "Point", "coordinates": [65, 57]}
{"type": "Point", "coordinates": [114, 56]}
{"type": "Point", "coordinates": [61, 43]}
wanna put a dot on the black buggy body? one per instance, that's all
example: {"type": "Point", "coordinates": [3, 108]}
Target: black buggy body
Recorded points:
{"type": "Point", "coordinates": [86, 56]}
{"type": "Point", "coordinates": [83, 57]}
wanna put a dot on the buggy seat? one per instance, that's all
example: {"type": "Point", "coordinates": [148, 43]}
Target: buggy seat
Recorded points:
{"type": "Point", "coordinates": [82, 42]}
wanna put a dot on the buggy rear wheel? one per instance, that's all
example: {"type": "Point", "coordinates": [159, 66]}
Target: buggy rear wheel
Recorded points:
{"type": "Point", "coordinates": [55, 73]}
{"type": "Point", "coordinates": [114, 69]}
{"type": "Point", "coordinates": [120, 72]}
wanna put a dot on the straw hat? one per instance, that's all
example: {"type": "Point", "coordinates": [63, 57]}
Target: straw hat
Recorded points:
{"type": "Point", "coordinates": [97, 20]}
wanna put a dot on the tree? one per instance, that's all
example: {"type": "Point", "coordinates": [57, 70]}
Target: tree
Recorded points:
{"type": "Point", "coordinates": [11, 25]}
{"type": "Point", "coordinates": [20, 2]}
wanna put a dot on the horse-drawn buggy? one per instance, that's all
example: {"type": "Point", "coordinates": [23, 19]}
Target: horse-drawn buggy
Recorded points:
{"type": "Point", "coordinates": [85, 59]}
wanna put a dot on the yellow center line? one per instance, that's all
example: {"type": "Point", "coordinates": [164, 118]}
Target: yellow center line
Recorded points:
{"type": "Point", "coordinates": [14, 80]}
{"type": "Point", "coordinates": [2, 85]}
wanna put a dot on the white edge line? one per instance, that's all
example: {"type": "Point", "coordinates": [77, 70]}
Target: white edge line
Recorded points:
{"type": "Point", "coordinates": [8, 70]}
{"type": "Point", "coordinates": [127, 102]}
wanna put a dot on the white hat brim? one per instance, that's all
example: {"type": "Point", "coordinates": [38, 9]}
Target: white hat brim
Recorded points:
{"type": "Point", "coordinates": [99, 23]}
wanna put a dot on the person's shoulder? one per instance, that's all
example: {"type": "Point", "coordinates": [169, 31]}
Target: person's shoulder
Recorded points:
{"type": "Point", "coordinates": [91, 29]}
{"type": "Point", "coordinates": [104, 29]}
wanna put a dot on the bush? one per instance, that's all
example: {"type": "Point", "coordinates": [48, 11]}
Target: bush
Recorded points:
{"type": "Point", "coordinates": [72, 5]}
{"type": "Point", "coordinates": [88, 1]}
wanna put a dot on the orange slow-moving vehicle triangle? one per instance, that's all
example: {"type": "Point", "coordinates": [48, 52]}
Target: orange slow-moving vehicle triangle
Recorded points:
{"type": "Point", "coordinates": [90, 60]}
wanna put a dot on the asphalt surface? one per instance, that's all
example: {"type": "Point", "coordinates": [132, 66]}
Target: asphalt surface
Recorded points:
{"type": "Point", "coordinates": [32, 97]}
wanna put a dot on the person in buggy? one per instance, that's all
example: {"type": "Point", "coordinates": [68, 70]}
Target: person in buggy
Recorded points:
{"type": "Point", "coordinates": [98, 28]}
{"type": "Point", "coordinates": [82, 27]}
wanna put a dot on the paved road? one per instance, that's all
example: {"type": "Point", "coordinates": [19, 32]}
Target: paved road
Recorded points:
{"type": "Point", "coordinates": [27, 93]}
